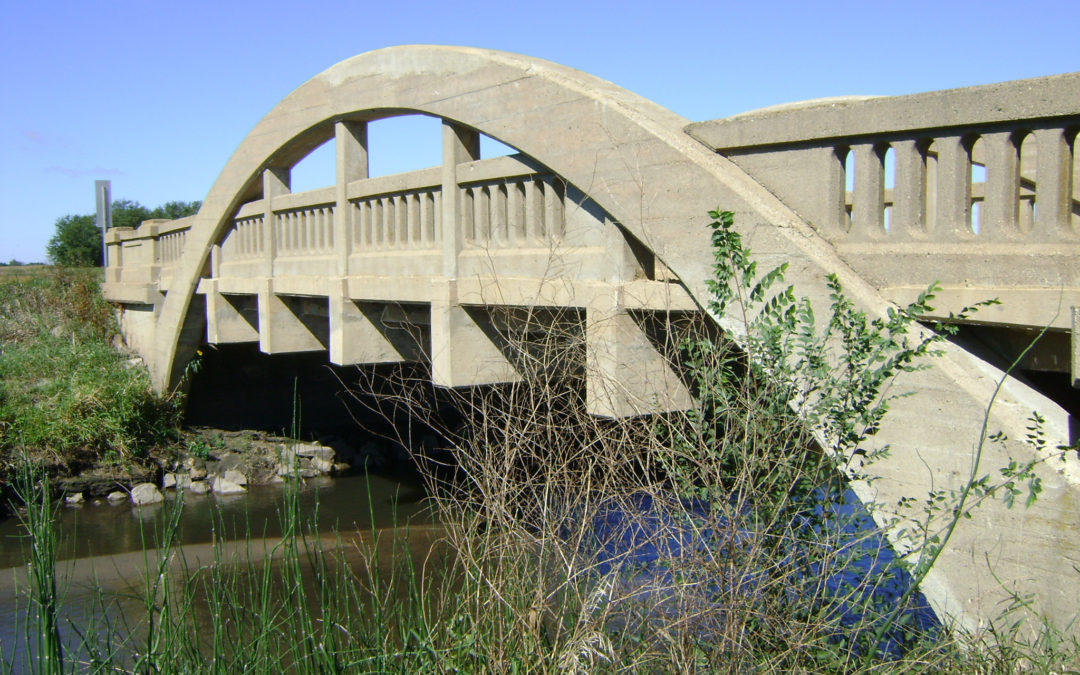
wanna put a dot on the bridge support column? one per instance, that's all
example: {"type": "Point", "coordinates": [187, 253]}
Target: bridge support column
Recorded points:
{"type": "Point", "coordinates": [288, 325]}
{"type": "Point", "coordinates": [276, 182]}
{"type": "Point", "coordinates": [356, 334]}
{"type": "Point", "coordinates": [230, 319]}
{"type": "Point", "coordinates": [459, 145]}
{"type": "Point", "coordinates": [465, 347]}
{"type": "Point", "coordinates": [352, 164]}
{"type": "Point", "coordinates": [625, 375]}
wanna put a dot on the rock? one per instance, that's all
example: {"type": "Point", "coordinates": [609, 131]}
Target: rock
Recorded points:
{"type": "Point", "coordinates": [196, 468]}
{"type": "Point", "coordinates": [199, 487]}
{"type": "Point", "coordinates": [73, 499]}
{"type": "Point", "coordinates": [234, 476]}
{"type": "Point", "coordinates": [175, 480]}
{"type": "Point", "coordinates": [322, 465]}
{"type": "Point", "coordinates": [313, 450]}
{"type": "Point", "coordinates": [116, 497]}
{"type": "Point", "coordinates": [145, 493]}
{"type": "Point", "coordinates": [227, 487]}
{"type": "Point", "coordinates": [100, 481]}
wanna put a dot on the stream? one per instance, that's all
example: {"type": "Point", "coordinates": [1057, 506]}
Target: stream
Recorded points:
{"type": "Point", "coordinates": [102, 547]}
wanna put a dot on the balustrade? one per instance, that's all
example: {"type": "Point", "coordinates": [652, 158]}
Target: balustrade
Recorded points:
{"type": "Point", "coordinates": [304, 231]}
{"type": "Point", "coordinates": [145, 254]}
{"type": "Point", "coordinates": [961, 188]}
{"type": "Point", "coordinates": [403, 220]}
{"type": "Point", "coordinates": [984, 164]}
{"type": "Point", "coordinates": [523, 211]}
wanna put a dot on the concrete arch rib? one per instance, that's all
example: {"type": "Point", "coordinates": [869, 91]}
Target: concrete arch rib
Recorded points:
{"type": "Point", "coordinates": [633, 159]}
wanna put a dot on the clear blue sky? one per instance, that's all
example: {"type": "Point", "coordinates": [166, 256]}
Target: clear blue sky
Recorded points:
{"type": "Point", "coordinates": [155, 96]}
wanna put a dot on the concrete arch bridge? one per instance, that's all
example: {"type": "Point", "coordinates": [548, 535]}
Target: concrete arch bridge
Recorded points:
{"type": "Point", "coordinates": [602, 211]}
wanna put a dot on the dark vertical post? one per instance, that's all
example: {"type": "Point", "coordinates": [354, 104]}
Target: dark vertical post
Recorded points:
{"type": "Point", "coordinates": [102, 193]}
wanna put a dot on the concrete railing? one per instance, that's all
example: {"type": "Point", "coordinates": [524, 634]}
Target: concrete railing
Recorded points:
{"type": "Point", "coordinates": [397, 212]}
{"type": "Point", "coordinates": [504, 203]}
{"type": "Point", "coordinates": [995, 162]}
{"type": "Point", "coordinates": [975, 188]}
{"type": "Point", "coordinates": [507, 204]}
{"type": "Point", "coordinates": [145, 255]}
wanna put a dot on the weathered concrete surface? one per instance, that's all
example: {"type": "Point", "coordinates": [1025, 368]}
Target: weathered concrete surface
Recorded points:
{"type": "Point", "coordinates": [634, 162]}
{"type": "Point", "coordinates": [976, 188]}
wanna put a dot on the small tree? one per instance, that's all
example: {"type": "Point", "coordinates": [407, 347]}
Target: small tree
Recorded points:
{"type": "Point", "coordinates": [174, 210]}
{"type": "Point", "coordinates": [77, 242]}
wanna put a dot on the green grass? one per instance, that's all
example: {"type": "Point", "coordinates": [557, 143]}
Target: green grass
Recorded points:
{"type": "Point", "coordinates": [66, 395]}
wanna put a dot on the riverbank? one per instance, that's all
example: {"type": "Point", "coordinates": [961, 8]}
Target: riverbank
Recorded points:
{"type": "Point", "coordinates": [71, 399]}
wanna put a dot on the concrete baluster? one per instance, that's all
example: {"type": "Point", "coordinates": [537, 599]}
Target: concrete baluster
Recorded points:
{"type": "Point", "coordinates": [234, 244]}
{"type": "Point", "coordinates": [386, 216]}
{"type": "Point", "coordinates": [500, 231]}
{"type": "Point", "coordinates": [401, 217]}
{"type": "Point", "coordinates": [953, 199]}
{"type": "Point", "coordinates": [833, 217]}
{"type": "Point", "coordinates": [483, 214]}
{"type": "Point", "coordinates": [215, 261]}
{"type": "Point", "coordinates": [359, 234]}
{"type": "Point", "coordinates": [534, 210]}
{"type": "Point", "coordinates": [909, 192]}
{"type": "Point", "coordinates": [427, 219]}
{"type": "Point", "coordinates": [1001, 205]}
{"type": "Point", "coordinates": [378, 237]}
{"type": "Point", "coordinates": [515, 212]}
{"type": "Point", "coordinates": [413, 200]}
{"type": "Point", "coordinates": [1053, 166]}
{"type": "Point", "coordinates": [437, 221]}
{"type": "Point", "coordinates": [468, 213]}
{"type": "Point", "coordinates": [868, 207]}
{"type": "Point", "coordinates": [554, 212]}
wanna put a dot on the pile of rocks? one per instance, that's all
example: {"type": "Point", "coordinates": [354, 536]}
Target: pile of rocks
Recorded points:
{"type": "Point", "coordinates": [229, 462]}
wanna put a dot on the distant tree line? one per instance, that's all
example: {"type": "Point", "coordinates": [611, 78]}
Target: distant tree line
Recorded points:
{"type": "Point", "coordinates": [77, 241]}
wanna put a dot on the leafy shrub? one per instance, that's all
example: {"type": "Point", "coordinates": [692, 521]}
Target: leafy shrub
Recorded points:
{"type": "Point", "coordinates": [63, 389]}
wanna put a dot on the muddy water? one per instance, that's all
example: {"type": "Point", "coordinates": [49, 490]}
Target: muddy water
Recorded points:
{"type": "Point", "coordinates": [346, 504]}
{"type": "Point", "coordinates": [102, 547]}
